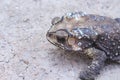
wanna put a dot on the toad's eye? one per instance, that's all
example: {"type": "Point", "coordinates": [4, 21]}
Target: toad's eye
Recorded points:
{"type": "Point", "coordinates": [61, 39]}
{"type": "Point", "coordinates": [56, 20]}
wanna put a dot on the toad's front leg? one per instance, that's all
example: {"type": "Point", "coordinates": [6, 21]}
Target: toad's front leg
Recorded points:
{"type": "Point", "coordinates": [97, 64]}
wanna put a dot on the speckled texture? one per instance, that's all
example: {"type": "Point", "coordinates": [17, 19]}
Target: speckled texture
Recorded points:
{"type": "Point", "coordinates": [25, 52]}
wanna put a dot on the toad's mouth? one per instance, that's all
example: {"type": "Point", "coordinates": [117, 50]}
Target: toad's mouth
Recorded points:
{"type": "Point", "coordinates": [59, 38]}
{"type": "Point", "coordinates": [60, 45]}
{"type": "Point", "coordinates": [63, 39]}
{"type": "Point", "coordinates": [65, 44]}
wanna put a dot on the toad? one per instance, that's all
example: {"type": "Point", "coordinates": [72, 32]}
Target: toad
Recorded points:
{"type": "Point", "coordinates": [92, 35]}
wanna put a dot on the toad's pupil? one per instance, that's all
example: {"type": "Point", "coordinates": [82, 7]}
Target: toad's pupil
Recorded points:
{"type": "Point", "coordinates": [61, 39]}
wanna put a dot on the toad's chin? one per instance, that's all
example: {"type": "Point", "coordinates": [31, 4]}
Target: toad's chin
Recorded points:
{"type": "Point", "coordinates": [71, 48]}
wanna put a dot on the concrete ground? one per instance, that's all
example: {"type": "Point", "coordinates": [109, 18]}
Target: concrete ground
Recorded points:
{"type": "Point", "coordinates": [25, 54]}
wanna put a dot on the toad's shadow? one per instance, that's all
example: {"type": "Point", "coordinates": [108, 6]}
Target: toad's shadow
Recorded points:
{"type": "Point", "coordinates": [61, 56]}
{"type": "Point", "coordinates": [67, 57]}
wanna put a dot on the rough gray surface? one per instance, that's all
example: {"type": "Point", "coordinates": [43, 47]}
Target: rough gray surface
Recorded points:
{"type": "Point", "coordinates": [25, 54]}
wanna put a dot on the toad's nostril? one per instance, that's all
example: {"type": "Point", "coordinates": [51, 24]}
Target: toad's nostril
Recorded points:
{"type": "Point", "coordinates": [49, 34]}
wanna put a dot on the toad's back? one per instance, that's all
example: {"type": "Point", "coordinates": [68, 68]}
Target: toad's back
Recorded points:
{"type": "Point", "coordinates": [108, 38]}
{"type": "Point", "coordinates": [107, 30]}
